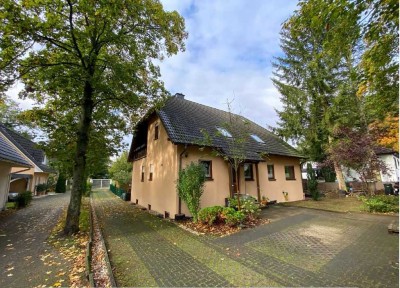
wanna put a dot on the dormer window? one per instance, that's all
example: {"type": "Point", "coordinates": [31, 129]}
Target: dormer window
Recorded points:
{"type": "Point", "coordinates": [224, 132]}
{"type": "Point", "coordinates": [258, 139]}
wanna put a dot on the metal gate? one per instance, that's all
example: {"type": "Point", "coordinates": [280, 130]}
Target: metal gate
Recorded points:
{"type": "Point", "coordinates": [100, 183]}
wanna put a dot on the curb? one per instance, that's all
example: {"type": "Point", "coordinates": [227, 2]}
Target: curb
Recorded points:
{"type": "Point", "coordinates": [88, 259]}
{"type": "Point", "coordinates": [106, 257]}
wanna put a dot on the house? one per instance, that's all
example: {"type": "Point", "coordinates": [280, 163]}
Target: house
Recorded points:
{"type": "Point", "coordinates": [27, 179]}
{"type": "Point", "coordinates": [9, 158]}
{"type": "Point", "coordinates": [167, 140]}
{"type": "Point", "coordinates": [388, 156]}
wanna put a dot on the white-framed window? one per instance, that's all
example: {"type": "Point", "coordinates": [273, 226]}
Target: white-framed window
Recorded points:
{"type": "Point", "coordinates": [224, 132]}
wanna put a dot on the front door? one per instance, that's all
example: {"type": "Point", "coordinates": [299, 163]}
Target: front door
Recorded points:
{"type": "Point", "coordinates": [235, 184]}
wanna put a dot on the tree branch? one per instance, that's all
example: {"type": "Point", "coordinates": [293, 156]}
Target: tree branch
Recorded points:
{"type": "Point", "coordinates": [71, 26]}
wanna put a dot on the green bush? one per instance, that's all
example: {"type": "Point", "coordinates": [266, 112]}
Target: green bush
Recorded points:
{"type": "Point", "coordinates": [248, 206]}
{"type": "Point", "coordinates": [210, 215]}
{"type": "Point", "coordinates": [60, 185]}
{"type": "Point", "coordinates": [87, 190]}
{"type": "Point", "coordinates": [381, 203]}
{"type": "Point", "coordinates": [41, 188]}
{"type": "Point", "coordinates": [190, 187]}
{"type": "Point", "coordinates": [24, 198]}
{"type": "Point", "coordinates": [312, 183]}
{"type": "Point", "coordinates": [232, 217]}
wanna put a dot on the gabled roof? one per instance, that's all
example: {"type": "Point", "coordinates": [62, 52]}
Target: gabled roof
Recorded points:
{"type": "Point", "coordinates": [9, 154]}
{"type": "Point", "coordinates": [27, 147]}
{"type": "Point", "coordinates": [186, 122]}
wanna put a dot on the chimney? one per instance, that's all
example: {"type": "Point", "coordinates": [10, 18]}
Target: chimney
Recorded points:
{"type": "Point", "coordinates": [180, 95]}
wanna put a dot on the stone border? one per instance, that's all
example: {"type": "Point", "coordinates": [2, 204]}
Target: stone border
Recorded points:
{"type": "Point", "coordinates": [88, 258]}
{"type": "Point", "coordinates": [93, 216]}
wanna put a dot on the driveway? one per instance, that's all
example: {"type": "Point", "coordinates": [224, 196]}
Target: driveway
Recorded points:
{"type": "Point", "coordinates": [26, 260]}
{"type": "Point", "coordinates": [300, 247]}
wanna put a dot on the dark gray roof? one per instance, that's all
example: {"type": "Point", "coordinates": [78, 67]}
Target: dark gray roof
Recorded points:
{"type": "Point", "coordinates": [27, 147]}
{"type": "Point", "coordinates": [9, 154]}
{"type": "Point", "coordinates": [188, 122]}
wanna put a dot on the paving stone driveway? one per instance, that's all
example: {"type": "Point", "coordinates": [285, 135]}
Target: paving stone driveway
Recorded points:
{"type": "Point", "coordinates": [300, 247]}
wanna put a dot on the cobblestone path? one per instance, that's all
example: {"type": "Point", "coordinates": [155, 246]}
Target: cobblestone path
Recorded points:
{"type": "Point", "coordinates": [301, 247]}
{"type": "Point", "coordinates": [26, 259]}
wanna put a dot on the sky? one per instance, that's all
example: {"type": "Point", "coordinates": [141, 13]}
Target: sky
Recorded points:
{"type": "Point", "coordinates": [229, 54]}
{"type": "Point", "coordinates": [228, 57]}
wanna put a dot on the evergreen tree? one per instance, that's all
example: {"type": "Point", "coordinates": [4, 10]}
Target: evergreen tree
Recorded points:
{"type": "Point", "coordinates": [60, 185]}
{"type": "Point", "coordinates": [317, 76]}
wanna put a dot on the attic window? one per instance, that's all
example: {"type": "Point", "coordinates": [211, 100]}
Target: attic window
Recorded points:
{"type": "Point", "coordinates": [224, 132]}
{"type": "Point", "coordinates": [258, 139]}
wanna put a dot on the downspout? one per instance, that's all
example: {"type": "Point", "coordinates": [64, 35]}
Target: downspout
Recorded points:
{"type": "Point", "coordinates": [180, 168]}
{"type": "Point", "coordinates": [258, 184]}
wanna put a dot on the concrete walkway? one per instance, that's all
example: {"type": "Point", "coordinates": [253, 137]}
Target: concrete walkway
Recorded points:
{"type": "Point", "coordinates": [26, 260]}
{"type": "Point", "coordinates": [301, 247]}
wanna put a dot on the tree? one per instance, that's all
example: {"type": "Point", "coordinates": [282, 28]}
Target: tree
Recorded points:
{"type": "Point", "coordinates": [88, 62]}
{"type": "Point", "coordinates": [234, 134]}
{"type": "Point", "coordinates": [317, 77]}
{"type": "Point", "coordinates": [190, 187]}
{"type": "Point", "coordinates": [10, 116]}
{"type": "Point", "coordinates": [121, 170]}
{"type": "Point", "coordinates": [355, 149]}
{"type": "Point", "coordinates": [380, 59]}
{"type": "Point", "coordinates": [386, 132]}
{"type": "Point", "coordinates": [312, 183]}
{"type": "Point", "coordinates": [60, 185]}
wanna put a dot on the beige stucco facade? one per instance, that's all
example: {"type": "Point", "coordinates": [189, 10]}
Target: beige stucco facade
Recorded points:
{"type": "Point", "coordinates": [36, 178]}
{"type": "Point", "coordinates": [5, 169]}
{"type": "Point", "coordinates": [163, 159]}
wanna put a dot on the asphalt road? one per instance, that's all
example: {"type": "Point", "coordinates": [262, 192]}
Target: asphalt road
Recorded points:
{"type": "Point", "coordinates": [26, 259]}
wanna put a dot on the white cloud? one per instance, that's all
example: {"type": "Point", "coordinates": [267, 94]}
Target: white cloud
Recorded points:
{"type": "Point", "coordinates": [228, 55]}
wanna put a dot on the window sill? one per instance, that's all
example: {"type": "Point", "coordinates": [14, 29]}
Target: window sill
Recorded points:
{"type": "Point", "coordinates": [271, 179]}
{"type": "Point", "coordinates": [291, 179]}
{"type": "Point", "coordinates": [249, 179]}
{"type": "Point", "coordinates": [209, 179]}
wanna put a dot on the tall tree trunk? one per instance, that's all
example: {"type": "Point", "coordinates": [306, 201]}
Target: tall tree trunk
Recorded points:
{"type": "Point", "coordinates": [339, 172]}
{"type": "Point", "coordinates": [78, 184]}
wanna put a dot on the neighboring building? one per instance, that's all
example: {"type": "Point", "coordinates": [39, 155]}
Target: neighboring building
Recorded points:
{"type": "Point", "coordinates": [168, 139]}
{"type": "Point", "coordinates": [9, 158]}
{"type": "Point", "coordinates": [388, 156]}
{"type": "Point", "coordinates": [28, 178]}
{"type": "Point", "coordinates": [391, 160]}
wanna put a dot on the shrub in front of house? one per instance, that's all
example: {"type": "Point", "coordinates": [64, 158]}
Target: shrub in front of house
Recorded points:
{"type": "Point", "coordinates": [24, 198]}
{"type": "Point", "coordinates": [215, 215]}
{"type": "Point", "coordinates": [210, 215]}
{"type": "Point", "coordinates": [381, 203]}
{"type": "Point", "coordinates": [190, 187]}
{"type": "Point", "coordinates": [233, 217]}
{"type": "Point", "coordinates": [41, 188]}
{"type": "Point", "coordinates": [248, 206]}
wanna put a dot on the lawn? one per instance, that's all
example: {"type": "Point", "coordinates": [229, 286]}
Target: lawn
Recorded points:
{"type": "Point", "coordinates": [345, 204]}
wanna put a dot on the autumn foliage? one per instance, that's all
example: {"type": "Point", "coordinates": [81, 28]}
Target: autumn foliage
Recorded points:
{"type": "Point", "coordinates": [386, 132]}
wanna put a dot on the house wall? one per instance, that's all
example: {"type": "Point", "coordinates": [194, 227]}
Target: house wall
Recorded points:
{"type": "Point", "coordinates": [38, 178]}
{"type": "Point", "coordinates": [160, 193]}
{"type": "Point", "coordinates": [215, 190]}
{"type": "Point", "coordinates": [273, 189]}
{"type": "Point", "coordinates": [392, 163]}
{"type": "Point", "coordinates": [5, 170]}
